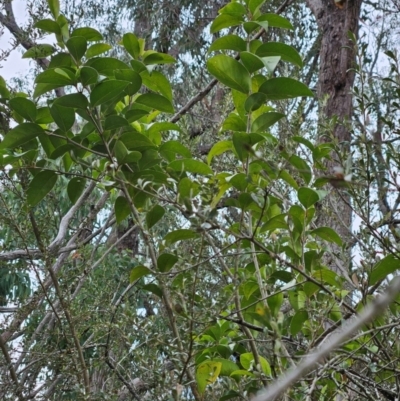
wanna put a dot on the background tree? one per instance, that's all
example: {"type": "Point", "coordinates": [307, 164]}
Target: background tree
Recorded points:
{"type": "Point", "coordinates": [137, 264]}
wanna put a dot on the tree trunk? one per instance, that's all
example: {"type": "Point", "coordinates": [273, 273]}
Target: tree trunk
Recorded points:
{"type": "Point", "coordinates": [335, 81]}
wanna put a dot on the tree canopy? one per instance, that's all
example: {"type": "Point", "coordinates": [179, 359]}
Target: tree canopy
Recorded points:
{"type": "Point", "coordinates": [199, 200]}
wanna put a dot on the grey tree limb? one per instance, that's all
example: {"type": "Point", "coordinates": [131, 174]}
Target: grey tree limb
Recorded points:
{"type": "Point", "coordinates": [334, 341]}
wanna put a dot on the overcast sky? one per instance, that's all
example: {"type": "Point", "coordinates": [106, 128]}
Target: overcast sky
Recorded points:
{"type": "Point", "coordinates": [14, 66]}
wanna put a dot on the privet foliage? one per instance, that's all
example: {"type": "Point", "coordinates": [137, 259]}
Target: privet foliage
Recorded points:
{"type": "Point", "coordinates": [138, 268]}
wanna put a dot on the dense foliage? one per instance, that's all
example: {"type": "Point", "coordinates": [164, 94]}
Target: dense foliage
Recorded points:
{"type": "Point", "coordinates": [136, 264]}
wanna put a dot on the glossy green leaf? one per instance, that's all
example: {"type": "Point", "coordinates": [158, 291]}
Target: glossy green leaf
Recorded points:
{"type": "Point", "coordinates": [327, 276]}
{"type": "Point", "coordinates": [252, 62]}
{"type": "Point", "coordinates": [156, 101]}
{"type": "Point", "coordinates": [328, 234]}
{"type": "Point", "coordinates": [284, 88]}
{"type": "Point", "coordinates": [107, 90]}
{"type": "Point", "coordinates": [266, 120]}
{"type": "Point", "coordinates": [298, 321]}
{"type": "Point", "coordinates": [40, 186]}
{"type": "Point", "coordinates": [233, 8]}
{"type": "Point", "coordinates": [388, 265]}
{"type": "Point", "coordinates": [243, 143]}
{"type": "Point", "coordinates": [54, 6]}
{"type": "Point", "coordinates": [207, 373]}
{"type": "Point", "coordinates": [48, 25]}
{"type": "Point", "coordinates": [254, 102]}
{"type": "Point", "coordinates": [227, 366]}
{"type": "Point", "coordinates": [139, 272]}
{"type": "Point", "coordinates": [56, 76]}
{"type": "Point", "coordinates": [285, 52]}
{"type": "Point", "coordinates": [96, 49]}
{"type": "Point", "coordinates": [122, 209]}
{"type": "Point", "coordinates": [24, 107]}
{"type": "Point", "coordinates": [39, 51]}
{"type": "Point", "coordinates": [106, 65]}
{"type": "Point", "coordinates": [191, 166]}
{"type": "Point", "coordinates": [88, 76]}
{"type": "Point", "coordinates": [307, 197]}
{"type": "Point", "coordinates": [265, 366]}
{"type": "Point", "coordinates": [170, 149]}
{"type": "Point", "coordinates": [131, 44]}
{"type": "Point", "coordinates": [228, 42]}
{"type": "Point", "coordinates": [120, 151]}
{"type": "Point", "coordinates": [151, 57]}
{"type": "Point", "coordinates": [115, 121]}
{"type": "Point", "coordinates": [77, 46]}
{"type": "Point", "coordinates": [166, 262]}
{"type": "Point", "coordinates": [246, 360]}
{"type": "Point", "coordinates": [218, 149]}
{"type": "Point", "coordinates": [43, 116]}
{"type": "Point", "coordinates": [90, 34]}
{"type": "Point", "coordinates": [64, 117]}
{"type": "Point", "coordinates": [230, 72]}
{"type": "Point", "coordinates": [180, 235]}
{"type": "Point", "coordinates": [20, 135]}
{"type": "Point", "coordinates": [74, 100]}
{"type": "Point", "coordinates": [302, 167]}
{"type": "Point", "coordinates": [154, 216]}
{"type": "Point", "coordinates": [157, 82]}
{"type": "Point", "coordinates": [276, 21]}
{"type": "Point", "coordinates": [234, 123]}
{"type": "Point", "coordinates": [75, 188]}
{"type": "Point", "coordinates": [225, 21]}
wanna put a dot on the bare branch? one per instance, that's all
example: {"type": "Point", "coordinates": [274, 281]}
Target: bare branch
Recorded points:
{"type": "Point", "coordinates": [331, 343]}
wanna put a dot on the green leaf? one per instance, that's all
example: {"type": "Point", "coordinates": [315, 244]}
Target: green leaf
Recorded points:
{"type": "Point", "coordinates": [286, 52]}
{"type": "Point", "coordinates": [246, 360]}
{"type": "Point", "coordinates": [243, 143]}
{"type": "Point", "coordinates": [131, 44]}
{"type": "Point", "coordinates": [154, 215]}
{"type": "Point", "coordinates": [254, 5]}
{"type": "Point", "coordinates": [96, 49]}
{"type": "Point", "coordinates": [276, 21]}
{"type": "Point", "coordinates": [166, 262]}
{"type": "Point", "coordinates": [43, 116]}
{"type": "Point", "coordinates": [107, 90]}
{"type": "Point", "coordinates": [284, 88]}
{"type": "Point", "coordinates": [327, 276]}
{"type": "Point", "coordinates": [302, 167]}
{"type": "Point", "coordinates": [115, 122]}
{"type": "Point", "coordinates": [75, 188]}
{"type": "Point", "coordinates": [230, 72]}
{"type": "Point", "coordinates": [106, 65]}
{"type": "Point", "coordinates": [298, 321]}
{"type": "Point", "coordinates": [227, 366]}
{"type": "Point", "coordinates": [266, 120]}
{"type": "Point", "coordinates": [254, 102]}
{"type": "Point", "coordinates": [169, 150]}
{"type": "Point", "coordinates": [88, 76]}
{"type": "Point", "coordinates": [56, 76]}
{"type": "Point", "coordinates": [77, 46]}
{"type": "Point", "coordinates": [151, 57]}
{"type": "Point", "coordinates": [48, 25]}
{"type": "Point", "coordinates": [122, 209]}
{"type": "Point", "coordinates": [207, 373]}
{"type": "Point", "coordinates": [157, 82]}
{"type": "Point", "coordinates": [218, 149]}
{"type": "Point", "coordinates": [388, 265]}
{"type": "Point", "coordinates": [271, 63]}
{"type": "Point", "coordinates": [74, 100]}
{"type": "Point", "coordinates": [328, 234]}
{"type": "Point", "coordinates": [64, 117]}
{"type": "Point", "coordinates": [225, 21]}
{"type": "Point", "coordinates": [54, 6]}
{"type": "Point", "coordinates": [139, 272]}
{"type": "Point", "coordinates": [20, 135]}
{"type": "Point", "coordinates": [252, 62]}
{"type": "Point", "coordinates": [24, 107]}
{"type": "Point", "coordinates": [307, 197]}
{"type": "Point", "coordinates": [191, 166]}
{"type": "Point", "coordinates": [39, 51]}
{"type": "Point", "coordinates": [90, 34]}
{"type": "Point", "coordinates": [40, 186]}
{"type": "Point", "coordinates": [265, 366]}
{"type": "Point", "coordinates": [180, 235]}
{"type": "Point", "coordinates": [156, 101]}
{"type": "Point", "coordinates": [234, 123]}
{"type": "Point", "coordinates": [228, 42]}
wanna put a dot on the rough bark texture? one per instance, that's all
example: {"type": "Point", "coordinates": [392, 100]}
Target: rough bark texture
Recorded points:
{"type": "Point", "coordinates": [335, 81]}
